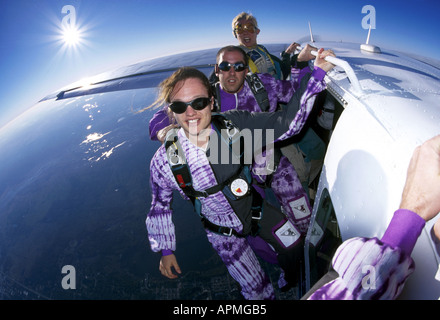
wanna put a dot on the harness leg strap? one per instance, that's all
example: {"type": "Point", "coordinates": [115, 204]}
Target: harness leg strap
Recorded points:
{"type": "Point", "coordinates": [286, 240]}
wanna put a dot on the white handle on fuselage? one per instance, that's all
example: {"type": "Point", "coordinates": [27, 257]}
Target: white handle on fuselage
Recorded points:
{"type": "Point", "coordinates": [344, 65]}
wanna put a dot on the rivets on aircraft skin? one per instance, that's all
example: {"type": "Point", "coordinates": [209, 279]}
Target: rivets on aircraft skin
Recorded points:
{"type": "Point", "coordinates": [337, 96]}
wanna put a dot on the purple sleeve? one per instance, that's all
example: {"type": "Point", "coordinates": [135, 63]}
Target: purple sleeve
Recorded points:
{"type": "Point", "coordinates": [372, 268]}
{"type": "Point", "coordinates": [159, 121]}
{"type": "Point", "coordinates": [281, 91]}
{"type": "Point", "coordinates": [160, 227]}
{"type": "Point", "coordinates": [305, 99]}
{"type": "Point", "coordinates": [404, 230]}
{"type": "Point", "coordinates": [167, 252]}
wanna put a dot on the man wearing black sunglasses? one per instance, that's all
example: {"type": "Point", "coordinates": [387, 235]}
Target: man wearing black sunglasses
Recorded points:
{"type": "Point", "coordinates": [237, 72]}
{"type": "Point", "coordinates": [234, 72]}
{"type": "Point", "coordinates": [234, 91]}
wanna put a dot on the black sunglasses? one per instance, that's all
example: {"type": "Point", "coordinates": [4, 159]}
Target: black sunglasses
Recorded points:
{"type": "Point", "coordinates": [196, 104]}
{"type": "Point", "coordinates": [238, 66]}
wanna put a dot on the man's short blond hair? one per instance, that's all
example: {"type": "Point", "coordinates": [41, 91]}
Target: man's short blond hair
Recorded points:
{"type": "Point", "coordinates": [246, 16]}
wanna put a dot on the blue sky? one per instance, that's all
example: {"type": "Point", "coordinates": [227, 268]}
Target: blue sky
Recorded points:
{"type": "Point", "coordinates": [34, 60]}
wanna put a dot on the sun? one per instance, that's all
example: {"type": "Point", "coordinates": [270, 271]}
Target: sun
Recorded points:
{"type": "Point", "coordinates": [71, 36]}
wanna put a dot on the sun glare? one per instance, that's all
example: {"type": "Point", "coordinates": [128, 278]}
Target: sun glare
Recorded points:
{"type": "Point", "coordinates": [71, 36]}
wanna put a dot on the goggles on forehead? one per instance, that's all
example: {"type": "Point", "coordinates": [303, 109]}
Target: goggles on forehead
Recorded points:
{"type": "Point", "coordinates": [238, 66]}
{"type": "Point", "coordinates": [240, 28]}
{"type": "Point", "coordinates": [196, 104]}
